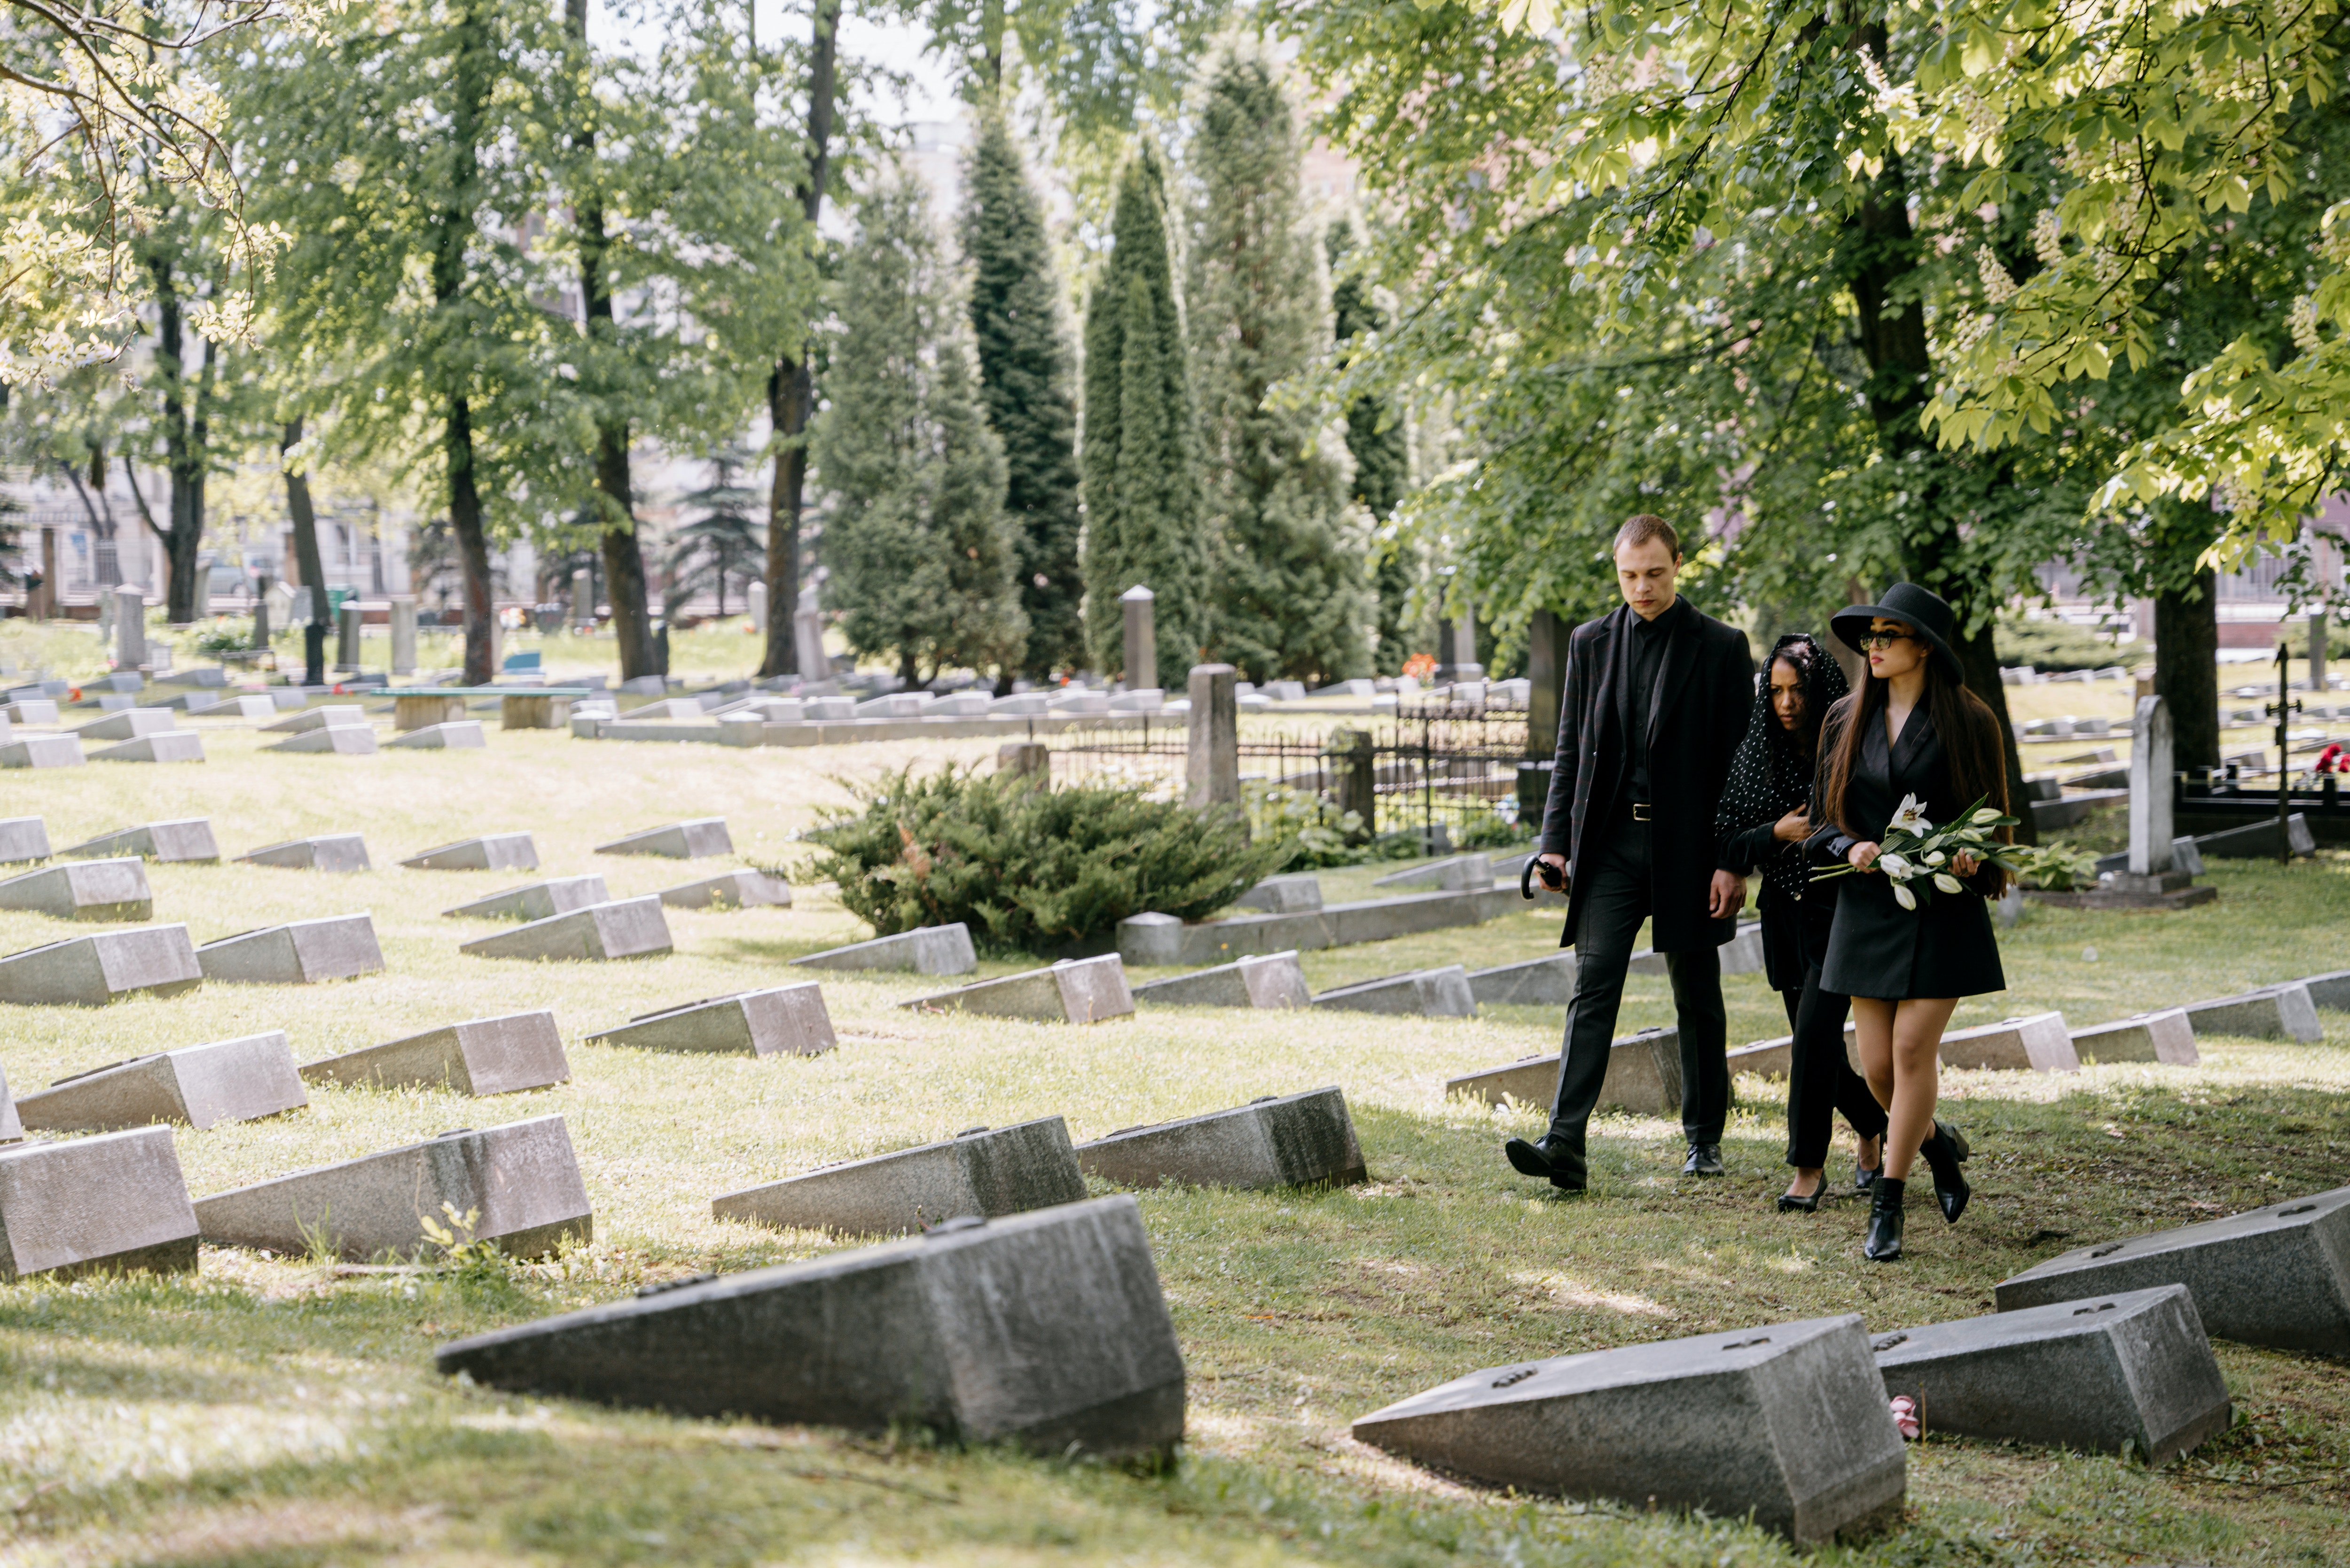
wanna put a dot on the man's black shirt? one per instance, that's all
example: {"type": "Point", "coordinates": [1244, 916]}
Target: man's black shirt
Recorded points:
{"type": "Point", "coordinates": [1637, 697]}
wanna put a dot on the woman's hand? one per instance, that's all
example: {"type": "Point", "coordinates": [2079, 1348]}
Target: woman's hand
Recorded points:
{"type": "Point", "coordinates": [1964, 864]}
{"type": "Point", "coordinates": [1794, 827]}
{"type": "Point", "coordinates": [1863, 855]}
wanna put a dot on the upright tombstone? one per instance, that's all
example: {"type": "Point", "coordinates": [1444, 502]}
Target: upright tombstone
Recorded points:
{"type": "Point", "coordinates": [1276, 1140]}
{"type": "Point", "coordinates": [536, 900]}
{"type": "Point", "coordinates": [1547, 637]}
{"type": "Point", "coordinates": [114, 1204]}
{"type": "Point", "coordinates": [623, 928]}
{"type": "Point", "coordinates": [583, 598]}
{"type": "Point", "coordinates": [986, 1171]}
{"type": "Point", "coordinates": [1031, 760]}
{"type": "Point", "coordinates": [130, 628]}
{"type": "Point", "coordinates": [83, 890]}
{"type": "Point", "coordinates": [808, 640]}
{"type": "Point", "coordinates": [480, 1056]}
{"type": "Point", "coordinates": [338, 852]}
{"type": "Point", "coordinates": [1271, 980]}
{"type": "Point", "coordinates": [925, 949]}
{"type": "Point", "coordinates": [23, 839]}
{"type": "Point", "coordinates": [197, 1085]}
{"type": "Point", "coordinates": [299, 952]}
{"type": "Point", "coordinates": [403, 634]}
{"type": "Point", "coordinates": [1074, 990]}
{"type": "Point", "coordinates": [1047, 1331]}
{"type": "Point", "coordinates": [488, 852]}
{"type": "Point", "coordinates": [754, 607]}
{"type": "Point", "coordinates": [730, 890]}
{"type": "Point", "coordinates": [1212, 767]}
{"type": "Point", "coordinates": [347, 635]}
{"type": "Point", "coordinates": [103, 967]}
{"type": "Point", "coordinates": [1456, 649]}
{"type": "Point", "coordinates": [780, 1020]}
{"type": "Point", "coordinates": [676, 841]}
{"type": "Point", "coordinates": [1142, 636]}
{"type": "Point", "coordinates": [2150, 774]}
{"type": "Point", "coordinates": [187, 841]}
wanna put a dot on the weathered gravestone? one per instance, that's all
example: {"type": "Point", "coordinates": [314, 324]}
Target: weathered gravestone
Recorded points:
{"type": "Point", "coordinates": [201, 1086]}
{"type": "Point", "coordinates": [536, 900]}
{"type": "Point", "coordinates": [1423, 994]}
{"type": "Point", "coordinates": [926, 949]}
{"type": "Point", "coordinates": [1767, 1058]}
{"type": "Point", "coordinates": [30, 708]}
{"type": "Point", "coordinates": [1786, 1424]}
{"type": "Point", "coordinates": [323, 852]}
{"type": "Point", "coordinates": [303, 721]}
{"type": "Point", "coordinates": [677, 841]}
{"type": "Point", "coordinates": [490, 852]}
{"type": "Point", "coordinates": [341, 740]}
{"type": "Point", "coordinates": [2039, 1043]}
{"type": "Point", "coordinates": [987, 1171]}
{"type": "Point", "coordinates": [112, 1203]}
{"type": "Point", "coordinates": [11, 1128]}
{"type": "Point", "coordinates": [1741, 954]}
{"type": "Point", "coordinates": [2330, 991]}
{"type": "Point", "coordinates": [2257, 840]}
{"type": "Point", "coordinates": [2277, 1276]}
{"type": "Point", "coordinates": [169, 746]}
{"type": "Point", "coordinates": [480, 1056]}
{"type": "Point", "coordinates": [1544, 981]}
{"type": "Point", "coordinates": [457, 735]}
{"type": "Point", "coordinates": [1275, 1141]}
{"type": "Point", "coordinates": [519, 1183]}
{"type": "Point", "coordinates": [1047, 1331]}
{"type": "Point", "coordinates": [2168, 1036]}
{"type": "Point", "coordinates": [92, 970]}
{"type": "Point", "coordinates": [2272, 1012]}
{"type": "Point", "coordinates": [187, 841]}
{"type": "Point", "coordinates": [1074, 990]}
{"type": "Point", "coordinates": [730, 890]}
{"type": "Point", "coordinates": [1644, 1077]}
{"type": "Point", "coordinates": [299, 952]}
{"type": "Point", "coordinates": [83, 890]}
{"type": "Point", "coordinates": [2129, 1373]}
{"type": "Point", "coordinates": [41, 751]}
{"type": "Point", "coordinates": [1459, 872]}
{"type": "Point", "coordinates": [784, 1020]}
{"type": "Point", "coordinates": [621, 928]}
{"type": "Point", "coordinates": [1284, 895]}
{"type": "Point", "coordinates": [128, 724]}
{"type": "Point", "coordinates": [23, 839]}
{"type": "Point", "coordinates": [1274, 980]}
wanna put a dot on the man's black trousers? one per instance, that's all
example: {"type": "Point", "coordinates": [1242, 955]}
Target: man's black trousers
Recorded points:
{"type": "Point", "coordinates": [1616, 899]}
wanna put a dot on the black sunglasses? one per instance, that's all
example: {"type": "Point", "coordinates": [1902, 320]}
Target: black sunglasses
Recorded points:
{"type": "Point", "coordinates": [1876, 639]}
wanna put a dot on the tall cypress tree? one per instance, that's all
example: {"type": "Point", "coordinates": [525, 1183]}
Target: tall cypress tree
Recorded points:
{"type": "Point", "coordinates": [1140, 460]}
{"type": "Point", "coordinates": [1288, 563]}
{"type": "Point", "coordinates": [1025, 386]}
{"type": "Point", "coordinates": [1382, 460]}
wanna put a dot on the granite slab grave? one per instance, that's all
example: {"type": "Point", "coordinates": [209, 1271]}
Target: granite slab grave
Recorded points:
{"type": "Point", "coordinates": [303, 721]}
{"type": "Point", "coordinates": [41, 751]}
{"type": "Point", "coordinates": [596, 933]}
{"type": "Point", "coordinates": [780, 1020]}
{"type": "Point", "coordinates": [1074, 990]}
{"type": "Point", "coordinates": [128, 724]}
{"type": "Point", "coordinates": [92, 970]}
{"type": "Point", "coordinates": [926, 949]}
{"type": "Point", "coordinates": [1296, 891]}
{"type": "Point", "coordinates": [1786, 1424]}
{"type": "Point", "coordinates": [1276, 1140]}
{"type": "Point", "coordinates": [1644, 1077]}
{"type": "Point", "coordinates": [456, 735]}
{"type": "Point", "coordinates": [33, 711]}
{"type": "Point", "coordinates": [342, 852]}
{"type": "Point", "coordinates": [730, 890]}
{"type": "Point", "coordinates": [676, 841]}
{"type": "Point", "coordinates": [2037, 1043]}
{"type": "Point", "coordinates": [1741, 954]}
{"type": "Point", "coordinates": [340, 740]}
{"type": "Point", "coordinates": [2330, 991]}
{"type": "Point", "coordinates": [83, 890]}
{"type": "Point", "coordinates": [2272, 1012]}
{"type": "Point", "coordinates": [200, 1085]}
{"type": "Point", "coordinates": [520, 1181]}
{"type": "Point", "coordinates": [11, 1128]}
{"type": "Point", "coordinates": [489, 852]}
{"type": "Point", "coordinates": [1160, 939]}
{"type": "Point", "coordinates": [1423, 994]}
{"type": "Point", "coordinates": [2257, 840]}
{"type": "Point", "coordinates": [169, 746]}
{"type": "Point", "coordinates": [500, 1055]}
{"type": "Point", "coordinates": [2129, 1373]}
{"type": "Point", "coordinates": [986, 1171]}
{"type": "Point", "coordinates": [23, 839]}
{"type": "Point", "coordinates": [1544, 981]}
{"type": "Point", "coordinates": [1274, 980]}
{"type": "Point", "coordinates": [299, 952]}
{"type": "Point", "coordinates": [2278, 1275]}
{"type": "Point", "coordinates": [186, 841]}
{"type": "Point", "coordinates": [1047, 1331]}
{"type": "Point", "coordinates": [2166, 1036]}
{"type": "Point", "coordinates": [116, 1202]}
{"type": "Point", "coordinates": [1454, 873]}
{"type": "Point", "coordinates": [536, 900]}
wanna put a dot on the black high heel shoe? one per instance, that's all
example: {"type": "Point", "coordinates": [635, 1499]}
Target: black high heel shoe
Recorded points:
{"type": "Point", "coordinates": [1863, 1175]}
{"type": "Point", "coordinates": [1943, 1153]}
{"type": "Point", "coordinates": [1791, 1204]}
{"type": "Point", "coordinates": [1883, 1244]}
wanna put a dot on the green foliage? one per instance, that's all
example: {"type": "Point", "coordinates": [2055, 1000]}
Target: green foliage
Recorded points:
{"type": "Point", "coordinates": [2056, 645]}
{"type": "Point", "coordinates": [1374, 438]}
{"type": "Point", "coordinates": [1028, 869]}
{"type": "Point", "coordinates": [1315, 834]}
{"type": "Point", "coordinates": [726, 541]}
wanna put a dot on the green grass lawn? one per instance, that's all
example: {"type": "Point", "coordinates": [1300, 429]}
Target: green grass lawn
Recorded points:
{"type": "Point", "coordinates": [272, 1411]}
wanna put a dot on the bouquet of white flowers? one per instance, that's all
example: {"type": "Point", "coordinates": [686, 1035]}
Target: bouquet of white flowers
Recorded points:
{"type": "Point", "coordinates": [1916, 856]}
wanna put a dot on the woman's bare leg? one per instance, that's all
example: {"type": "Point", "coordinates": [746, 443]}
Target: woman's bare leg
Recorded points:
{"type": "Point", "coordinates": [1916, 1050]}
{"type": "Point", "coordinates": [1872, 1025]}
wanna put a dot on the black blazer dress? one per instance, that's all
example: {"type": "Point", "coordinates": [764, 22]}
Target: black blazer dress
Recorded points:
{"type": "Point", "coordinates": [1877, 948]}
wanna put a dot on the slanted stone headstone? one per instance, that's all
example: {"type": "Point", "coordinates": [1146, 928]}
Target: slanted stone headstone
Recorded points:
{"type": "Point", "coordinates": [1274, 980]}
{"type": "Point", "coordinates": [168, 746]}
{"type": "Point", "coordinates": [1457, 872]}
{"type": "Point", "coordinates": [41, 751]}
{"type": "Point", "coordinates": [200, 1085]}
{"type": "Point", "coordinates": [2168, 1036]}
{"type": "Point", "coordinates": [2129, 1373]}
{"type": "Point", "coordinates": [128, 724]}
{"type": "Point", "coordinates": [304, 719]}
{"type": "Point", "coordinates": [2276, 1012]}
{"type": "Point", "coordinates": [479, 1056]}
{"type": "Point", "coordinates": [2330, 991]}
{"type": "Point", "coordinates": [1644, 1077]}
{"type": "Point", "coordinates": [1544, 981]}
{"type": "Point", "coordinates": [2039, 1043]}
{"type": "Point", "coordinates": [1074, 991]}
{"type": "Point", "coordinates": [114, 1204]}
{"type": "Point", "coordinates": [2278, 1275]}
{"type": "Point", "coordinates": [1785, 1424]}
{"type": "Point", "coordinates": [926, 949]}
{"type": "Point", "coordinates": [1213, 766]}
{"type": "Point", "coordinates": [781, 1020]}
{"type": "Point", "coordinates": [520, 1182]}
{"type": "Point", "coordinates": [24, 839]}
{"type": "Point", "coordinates": [187, 841]}
{"type": "Point", "coordinates": [83, 890]}
{"type": "Point", "coordinates": [986, 1171]}
{"type": "Point", "coordinates": [1298, 891]}
{"type": "Point", "coordinates": [1423, 994]}
{"type": "Point", "coordinates": [464, 734]}
{"type": "Point", "coordinates": [1765, 1058]}
{"type": "Point", "coordinates": [623, 928]}
{"type": "Point", "coordinates": [490, 852]}
{"type": "Point", "coordinates": [2257, 840]}
{"type": "Point", "coordinates": [339, 852]}
{"type": "Point", "coordinates": [730, 890]}
{"type": "Point", "coordinates": [676, 841]}
{"type": "Point", "coordinates": [536, 900]}
{"type": "Point", "coordinates": [32, 709]}
{"type": "Point", "coordinates": [341, 740]}
{"type": "Point", "coordinates": [92, 970]}
{"type": "Point", "coordinates": [1276, 1140]}
{"type": "Point", "coordinates": [1047, 1331]}
{"type": "Point", "coordinates": [11, 1128]}
{"type": "Point", "coordinates": [299, 952]}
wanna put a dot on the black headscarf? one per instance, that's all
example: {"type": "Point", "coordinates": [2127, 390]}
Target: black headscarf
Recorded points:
{"type": "Point", "coordinates": [1772, 773]}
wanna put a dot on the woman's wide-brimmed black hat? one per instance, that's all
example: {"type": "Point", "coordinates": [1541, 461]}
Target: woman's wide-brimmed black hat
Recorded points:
{"type": "Point", "coordinates": [1920, 609]}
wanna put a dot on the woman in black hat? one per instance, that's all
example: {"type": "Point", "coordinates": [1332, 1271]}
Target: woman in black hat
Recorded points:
{"type": "Point", "coordinates": [1764, 822]}
{"type": "Point", "coordinates": [1913, 730]}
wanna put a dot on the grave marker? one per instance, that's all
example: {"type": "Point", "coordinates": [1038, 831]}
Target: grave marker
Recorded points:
{"type": "Point", "coordinates": [83, 890]}
{"type": "Point", "coordinates": [1274, 980]}
{"type": "Point", "coordinates": [303, 721]}
{"type": "Point", "coordinates": [41, 751]}
{"type": "Point", "coordinates": [676, 841]}
{"type": "Point", "coordinates": [338, 852]}
{"type": "Point", "coordinates": [1423, 994]}
{"type": "Point", "coordinates": [2275, 1012]}
{"type": "Point", "coordinates": [1212, 765]}
{"type": "Point", "coordinates": [128, 724]}
{"type": "Point", "coordinates": [1452, 874]}
{"type": "Point", "coordinates": [986, 1171]}
{"type": "Point", "coordinates": [926, 949]}
{"type": "Point", "coordinates": [299, 952]}
{"type": "Point", "coordinates": [23, 839]}
{"type": "Point", "coordinates": [2166, 1036]}
{"type": "Point", "coordinates": [490, 852]}
{"type": "Point", "coordinates": [623, 928]}
{"type": "Point", "coordinates": [2330, 991]}
{"type": "Point", "coordinates": [1298, 891]}
{"type": "Point", "coordinates": [1544, 981]}
{"type": "Point", "coordinates": [730, 890]}
{"type": "Point", "coordinates": [464, 734]}
{"type": "Point", "coordinates": [166, 746]}
{"type": "Point", "coordinates": [186, 841]}
{"type": "Point", "coordinates": [1276, 1140]}
{"type": "Point", "coordinates": [480, 1056]}
{"type": "Point", "coordinates": [199, 1085]}
{"type": "Point", "coordinates": [113, 1203]}
{"type": "Point", "coordinates": [341, 740]}
{"type": "Point", "coordinates": [92, 970]}
{"type": "Point", "coordinates": [1644, 1077]}
{"type": "Point", "coordinates": [11, 1128]}
{"type": "Point", "coordinates": [2039, 1043]}
{"type": "Point", "coordinates": [31, 708]}
{"type": "Point", "coordinates": [536, 900]}
{"type": "Point", "coordinates": [781, 1020]}
{"type": "Point", "coordinates": [2257, 840]}
{"type": "Point", "coordinates": [1074, 990]}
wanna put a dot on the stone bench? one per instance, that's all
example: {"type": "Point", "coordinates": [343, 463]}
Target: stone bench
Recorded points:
{"type": "Point", "coordinates": [2166, 1036]}
{"type": "Point", "coordinates": [187, 841]}
{"type": "Point", "coordinates": [1161, 940]}
{"type": "Point", "coordinates": [1423, 994]}
{"type": "Point", "coordinates": [986, 1171]}
{"type": "Point", "coordinates": [299, 952]}
{"type": "Point", "coordinates": [623, 928]}
{"type": "Point", "coordinates": [83, 890]}
{"type": "Point", "coordinates": [489, 852]}
{"type": "Point", "coordinates": [23, 839]}
{"type": "Point", "coordinates": [456, 735]}
{"type": "Point", "coordinates": [1644, 1077]}
{"type": "Point", "coordinates": [926, 949]}
{"type": "Point", "coordinates": [784, 1020]}
{"type": "Point", "coordinates": [480, 1057]}
{"type": "Point", "coordinates": [113, 1203]}
{"type": "Point", "coordinates": [1274, 980]}
{"type": "Point", "coordinates": [198, 1086]}
{"type": "Point", "coordinates": [340, 739]}
{"type": "Point", "coordinates": [338, 852]}
{"type": "Point", "coordinates": [730, 890]}
{"type": "Point", "coordinates": [1276, 1140]}
{"type": "Point", "coordinates": [520, 708]}
{"type": "Point", "coordinates": [535, 901]}
{"type": "Point", "coordinates": [1544, 981]}
{"type": "Point", "coordinates": [41, 751]}
{"type": "Point", "coordinates": [2272, 1012]}
{"type": "Point", "coordinates": [676, 841]}
{"type": "Point", "coordinates": [92, 970]}
{"type": "Point", "coordinates": [2037, 1043]}
{"type": "Point", "coordinates": [1074, 990]}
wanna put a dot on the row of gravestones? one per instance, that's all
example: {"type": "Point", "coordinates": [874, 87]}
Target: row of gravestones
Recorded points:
{"type": "Point", "coordinates": [153, 734]}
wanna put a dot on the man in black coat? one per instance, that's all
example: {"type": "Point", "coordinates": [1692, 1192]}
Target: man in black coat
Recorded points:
{"type": "Point", "coordinates": [1655, 703]}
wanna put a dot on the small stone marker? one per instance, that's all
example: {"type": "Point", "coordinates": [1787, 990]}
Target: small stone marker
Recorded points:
{"type": "Point", "coordinates": [10, 1129]}
{"type": "Point", "coordinates": [1274, 980]}
{"type": "Point", "coordinates": [1544, 981]}
{"type": "Point", "coordinates": [479, 1056]}
{"type": "Point", "coordinates": [1047, 1331]}
{"type": "Point", "coordinates": [24, 839]}
{"type": "Point", "coordinates": [461, 735]}
{"type": "Point", "coordinates": [2129, 1373]}
{"type": "Point", "coordinates": [169, 746]}
{"type": "Point", "coordinates": [299, 952]}
{"type": "Point", "coordinates": [536, 900]}
{"type": "Point", "coordinates": [1768, 1058]}
{"type": "Point", "coordinates": [2275, 1012]}
{"type": "Point", "coordinates": [325, 852]}
{"type": "Point", "coordinates": [2168, 1036]}
{"type": "Point", "coordinates": [2039, 1043]}
{"type": "Point", "coordinates": [490, 852]}
{"type": "Point", "coordinates": [128, 724]}
{"type": "Point", "coordinates": [92, 970]}
{"type": "Point", "coordinates": [304, 721]}
{"type": "Point", "coordinates": [677, 841]}
{"type": "Point", "coordinates": [986, 1171]}
{"type": "Point", "coordinates": [112, 1203]}
{"type": "Point", "coordinates": [1423, 994]}
{"type": "Point", "coordinates": [1292, 894]}
{"type": "Point", "coordinates": [41, 751]}
{"type": "Point", "coordinates": [1074, 990]}
{"type": "Point", "coordinates": [2330, 991]}
{"type": "Point", "coordinates": [2277, 1276]}
{"type": "Point", "coordinates": [201, 1086]}
{"type": "Point", "coordinates": [1787, 1424]}
{"type": "Point", "coordinates": [33, 711]}
{"type": "Point", "coordinates": [781, 1020]}
{"type": "Point", "coordinates": [187, 841]}
{"type": "Point", "coordinates": [621, 928]}
{"type": "Point", "coordinates": [520, 1181]}
{"type": "Point", "coordinates": [1644, 1077]}
{"type": "Point", "coordinates": [730, 890]}
{"type": "Point", "coordinates": [343, 740]}
{"type": "Point", "coordinates": [926, 949]}
{"type": "Point", "coordinates": [1276, 1140]}
{"type": "Point", "coordinates": [83, 890]}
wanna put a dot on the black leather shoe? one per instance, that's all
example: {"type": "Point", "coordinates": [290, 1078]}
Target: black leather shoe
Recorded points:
{"type": "Point", "coordinates": [1807, 1204]}
{"type": "Point", "coordinates": [1943, 1152]}
{"type": "Point", "coordinates": [1549, 1156]}
{"type": "Point", "coordinates": [1704, 1159]}
{"type": "Point", "coordinates": [1884, 1242]}
{"type": "Point", "coordinates": [1864, 1176]}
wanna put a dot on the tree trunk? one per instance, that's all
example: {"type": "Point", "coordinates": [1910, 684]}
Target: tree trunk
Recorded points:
{"type": "Point", "coordinates": [449, 270]}
{"type": "Point", "coordinates": [473, 544]}
{"type": "Point", "coordinates": [309, 564]}
{"type": "Point", "coordinates": [184, 454]}
{"type": "Point", "coordinates": [2187, 669]}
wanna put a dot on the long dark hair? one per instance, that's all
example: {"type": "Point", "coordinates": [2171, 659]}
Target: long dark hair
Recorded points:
{"type": "Point", "coordinates": [1970, 734]}
{"type": "Point", "coordinates": [1811, 664]}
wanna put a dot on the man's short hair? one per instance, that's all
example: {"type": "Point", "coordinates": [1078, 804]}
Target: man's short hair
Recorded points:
{"type": "Point", "coordinates": [1643, 526]}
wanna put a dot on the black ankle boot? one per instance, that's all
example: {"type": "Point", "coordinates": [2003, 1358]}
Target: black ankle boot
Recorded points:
{"type": "Point", "coordinates": [1884, 1242]}
{"type": "Point", "coordinates": [1942, 1153]}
